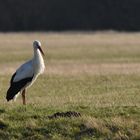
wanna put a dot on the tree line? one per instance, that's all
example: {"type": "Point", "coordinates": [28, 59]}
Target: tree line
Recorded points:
{"type": "Point", "coordinates": [60, 15]}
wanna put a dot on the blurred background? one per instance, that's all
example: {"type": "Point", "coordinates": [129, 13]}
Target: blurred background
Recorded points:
{"type": "Point", "coordinates": [60, 15]}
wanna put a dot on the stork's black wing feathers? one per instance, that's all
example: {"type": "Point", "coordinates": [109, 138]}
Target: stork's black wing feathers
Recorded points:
{"type": "Point", "coordinates": [11, 81]}
{"type": "Point", "coordinates": [15, 87]}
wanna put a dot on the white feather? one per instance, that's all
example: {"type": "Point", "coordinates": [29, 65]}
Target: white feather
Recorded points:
{"type": "Point", "coordinates": [24, 71]}
{"type": "Point", "coordinates": [32, 67]}
{"type": "Point", "coordinates": [38, 63]}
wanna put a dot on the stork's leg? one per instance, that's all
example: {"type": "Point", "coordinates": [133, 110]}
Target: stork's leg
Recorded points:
{"type": "Point", "coordinates": [23, 97]}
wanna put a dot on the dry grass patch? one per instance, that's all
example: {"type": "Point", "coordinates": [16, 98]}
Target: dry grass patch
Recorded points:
{"type": "Point", "coordinates": [96, 74]}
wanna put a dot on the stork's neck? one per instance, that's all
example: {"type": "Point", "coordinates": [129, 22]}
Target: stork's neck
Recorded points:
{"type": "Point", "coordinates": [37, 54]}
{"type": "Point", "coordinates": [38, 62]}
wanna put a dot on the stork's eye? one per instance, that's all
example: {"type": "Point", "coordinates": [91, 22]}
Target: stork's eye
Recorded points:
{"type": "Point", "coordinates": [38, 45]}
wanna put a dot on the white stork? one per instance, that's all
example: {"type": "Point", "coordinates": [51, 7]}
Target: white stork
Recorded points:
{"type": "Point", "coordinates": [26, 74]}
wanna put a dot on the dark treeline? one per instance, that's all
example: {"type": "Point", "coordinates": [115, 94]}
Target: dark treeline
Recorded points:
{"type": "Point", "coordinates": [38, 15]}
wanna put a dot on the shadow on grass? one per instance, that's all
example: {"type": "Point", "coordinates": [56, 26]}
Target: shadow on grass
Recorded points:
{"type": "Point", "coordinates": [2, 111]}
{"type": "Point", "coordinates": [3, 125]}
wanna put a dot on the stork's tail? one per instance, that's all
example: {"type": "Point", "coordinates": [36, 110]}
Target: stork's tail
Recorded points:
{"type": "Point", "coordinates": [12, 92]}
{"type": "Point", "coordinates": [16, 87]}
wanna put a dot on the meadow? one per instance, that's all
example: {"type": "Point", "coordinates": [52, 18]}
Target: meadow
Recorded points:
{"type": "Point", "coordinates": [94, 74]}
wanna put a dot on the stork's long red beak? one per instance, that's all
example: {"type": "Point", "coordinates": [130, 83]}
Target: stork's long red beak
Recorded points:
{"type": "Point", "coordinates": [41, 50]}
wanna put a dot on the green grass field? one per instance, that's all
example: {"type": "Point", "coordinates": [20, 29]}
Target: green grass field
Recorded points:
{"type": "Point", "coordinates": [94, 74]}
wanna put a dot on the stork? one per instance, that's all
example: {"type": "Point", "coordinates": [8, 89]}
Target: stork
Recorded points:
{"type": "Point", "coordinates": [26, 74]}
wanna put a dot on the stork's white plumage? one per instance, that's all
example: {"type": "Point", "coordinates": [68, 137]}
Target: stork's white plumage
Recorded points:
{"type": "Point", "coordinates": [26, 74]}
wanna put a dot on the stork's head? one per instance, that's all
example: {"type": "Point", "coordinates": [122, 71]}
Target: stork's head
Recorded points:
{"type": "Point", "coordinates": [37, 45]}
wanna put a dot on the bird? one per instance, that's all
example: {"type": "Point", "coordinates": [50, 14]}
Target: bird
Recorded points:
{"type": "Point", "coordinates": [26, 74]}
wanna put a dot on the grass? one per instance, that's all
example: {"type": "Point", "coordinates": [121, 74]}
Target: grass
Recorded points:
{"type": "Point", "coordinates": [95, 74]}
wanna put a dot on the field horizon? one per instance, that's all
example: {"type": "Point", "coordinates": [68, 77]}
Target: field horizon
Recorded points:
{"type": "Point", "coordinates": [94, 74]}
